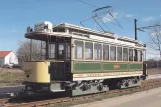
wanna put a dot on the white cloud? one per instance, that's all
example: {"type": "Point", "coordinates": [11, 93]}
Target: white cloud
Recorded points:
{"type": "Point", "coordinates": [152, 54]}
{"type": "Point", "coordinates": [129, 15]}
{"type": "Point", "coordinates": [109, 18]}
{"type": "Point", "coordinates": [116, 15]}
{"type": "Point", "coordinates": [147, 19]}
{"type": "Point", "coordinates": [155, 33]}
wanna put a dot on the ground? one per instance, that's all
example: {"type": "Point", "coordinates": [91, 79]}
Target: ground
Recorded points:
{"type": "Point", "coordinates": [154, 71]}
{"type": "Point", "coordinates": [150, 98]}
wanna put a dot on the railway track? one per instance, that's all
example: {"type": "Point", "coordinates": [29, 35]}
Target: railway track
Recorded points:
{"type": "Point", "coordinates": [3, 101]}
{"type": "Point", "coordinates": [146, 85]}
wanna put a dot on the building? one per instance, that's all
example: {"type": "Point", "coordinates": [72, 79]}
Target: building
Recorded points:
{"type": "Point", "coordinates": [8, 57]}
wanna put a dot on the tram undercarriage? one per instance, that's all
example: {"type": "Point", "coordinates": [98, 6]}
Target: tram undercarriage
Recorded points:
{"type": "Point", "coordinates": [84, 87]}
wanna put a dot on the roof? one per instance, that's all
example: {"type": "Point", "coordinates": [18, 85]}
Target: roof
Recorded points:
{"type": "Point", "coordinates": [67, 25]}
{"type": "Point", "coordinates": [4, 53]}
{"type": "Point", "coordinates": [106, 34]}
{"type": "Point", "coordinates": [43, 35]}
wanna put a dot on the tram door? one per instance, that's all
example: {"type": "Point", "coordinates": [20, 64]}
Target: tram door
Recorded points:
{"type": "Point", "coordinates": [61, 68]}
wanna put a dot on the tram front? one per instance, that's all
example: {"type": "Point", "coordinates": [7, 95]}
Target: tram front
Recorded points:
{"type": "Point", "coordinates": [53, 68]}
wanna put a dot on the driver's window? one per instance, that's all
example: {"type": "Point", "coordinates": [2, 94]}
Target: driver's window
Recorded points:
{"type": "Point", "coordinates": [61, 49]}
{"type": "Point", "coordinates": [51, 51]}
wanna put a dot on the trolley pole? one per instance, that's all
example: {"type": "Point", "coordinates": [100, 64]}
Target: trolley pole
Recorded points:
{"type": "Point", "coordinates": [135, 24]}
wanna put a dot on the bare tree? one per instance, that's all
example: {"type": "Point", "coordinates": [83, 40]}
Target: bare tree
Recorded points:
{"type": "Point", "coordinates": [154, 43]}
{"type": "Point", "coordinates": [24, 52]}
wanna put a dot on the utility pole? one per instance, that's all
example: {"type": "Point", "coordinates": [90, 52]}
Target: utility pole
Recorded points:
{"type": "Point", "coordinates": [141, 28]}
{"type": "Point", "coordinates": [135, 25]}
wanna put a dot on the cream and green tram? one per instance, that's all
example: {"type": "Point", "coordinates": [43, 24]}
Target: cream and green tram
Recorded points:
{"type": "Point", "coordinates": [82, 60]}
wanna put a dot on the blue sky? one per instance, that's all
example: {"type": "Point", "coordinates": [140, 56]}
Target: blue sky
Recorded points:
{"type": "Point", "coordinates": [16, 15]}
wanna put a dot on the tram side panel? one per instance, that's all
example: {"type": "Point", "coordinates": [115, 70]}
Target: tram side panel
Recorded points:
{"type": "Point", "coordinates": [88, 69]}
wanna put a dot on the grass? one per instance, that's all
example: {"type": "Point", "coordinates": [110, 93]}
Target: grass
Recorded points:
{"type": "Point", "coordinates": [11, 77]}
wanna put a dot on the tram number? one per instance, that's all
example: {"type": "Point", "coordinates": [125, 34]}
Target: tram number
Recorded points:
{"type": "Point", "coordinates": [116, 66]}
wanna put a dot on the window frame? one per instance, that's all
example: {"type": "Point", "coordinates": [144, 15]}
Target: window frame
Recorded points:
{"type": "Point", "coordinates": [132, 54]}
{"type": "Point", "coordinates": [91, 48]}
{"type": "Point", "coordinates": [121, 53]}
{"type": "Point", "coordinates": [127, 54]}
{"type": "Point", "coordinates": [94, 51]}
{"type": "Point", "coordinates": [140, 55]}
{"type": "Point", "coordinates": [82, 49]}
{"type": "Point", "coordinates": [110, 52]}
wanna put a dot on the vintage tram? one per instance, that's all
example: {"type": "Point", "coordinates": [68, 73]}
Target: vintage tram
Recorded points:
{"type": "Point", "coordinates": [82, 60]}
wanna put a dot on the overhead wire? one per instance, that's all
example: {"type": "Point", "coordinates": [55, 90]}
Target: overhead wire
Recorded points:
{"type": "Point", "coordinates": [98, 12]}
{"type": "Point", "coordinates": [87, 3]}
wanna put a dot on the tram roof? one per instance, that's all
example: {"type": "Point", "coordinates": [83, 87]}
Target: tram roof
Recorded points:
{"type": "Point", "coordinates": [44, 36]}
{"type": "Point", "coordinates": [104, 34]}
{"type": "Point", "coordinates": [41, 35]}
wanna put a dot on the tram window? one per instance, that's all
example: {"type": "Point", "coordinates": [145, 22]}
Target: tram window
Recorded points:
{"type": "Point", "coordinates": [88, 50]}
{"type": "Point", "coordinates": [135, 55]}
{"type": "Point", "coordinates": [125, 54]}
{"type": "Point", "coordinates": [52, 51]}
{"type": "Point", "coordinates": [78, 49]}
{"type": "Point", "coordinates": [139, 55]}
{"type": "Point", "coordinates": [105, 52]}
{"type": "Point", "coordinates": [112, 53]}
{"type": "Point", "coordinates": [97, 51]}
{"type": "Point", "coordinates": [130, 54]}
{"type": "Point", "coordinates": [61, 49]}
{"type": "Point", "coordinates": [144, 55]}
{"type": "Point", "coordinates": [67, 50]}
{"type": "Point", "coordinates": [119, 53]}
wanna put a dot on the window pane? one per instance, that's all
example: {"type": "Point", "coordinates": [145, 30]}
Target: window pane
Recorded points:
{"type": "Point", "coordinates": [119, 53]}
{"type": "Point", "coordinates": [135, 55]}
{"type": "Point", "coordinates": [67, 50]}
{"type": "Point", "coordinates": [88, 50]}
{"type": "Point", "coordinates": [105, 52]}
{"type": "Point", "coordinates": [144, 55]}
{"type": "Point", "coordinates": [139, 55]}
{"type": "Point", "coordinates": [130, 54]}
{"type": "Point", "coordinates": [112, 53]}
{"type": "Point", "coordinates": [97, 51]}
{"type": "Point", "coordinates": [51, 51]}
{"type": "Point", "coordinates": [125, 54]}
{"type": "Point", "coordinates": [78, 49]}
{"type": "Point", "coordinates": [61, 49]}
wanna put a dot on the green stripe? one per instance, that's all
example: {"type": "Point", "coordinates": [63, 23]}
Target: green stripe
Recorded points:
{"type": "Point", "coordinates": [104, 67]}
{"type": "Point", "coordinates": [136, 66]}
{"type": "Point", "coordinates": [87, 66]}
